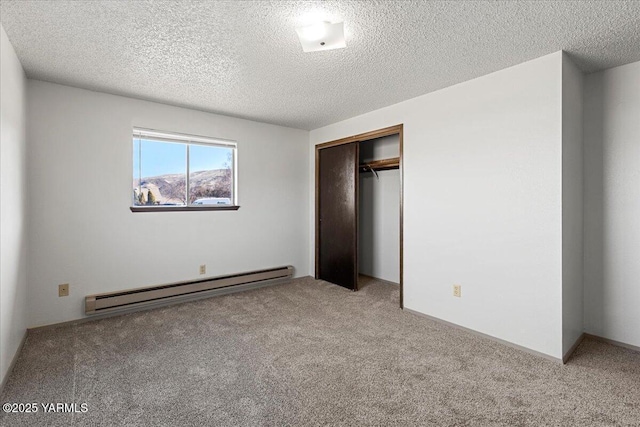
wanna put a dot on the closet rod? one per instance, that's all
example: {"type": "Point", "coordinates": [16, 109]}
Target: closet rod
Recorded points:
{"type": "Point", "coordinates": [385, 164]}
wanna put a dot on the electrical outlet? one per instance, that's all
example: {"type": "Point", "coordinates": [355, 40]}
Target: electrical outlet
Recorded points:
{"type": "Point", "coordinates": [203, 269]}
{"type": "Point", "coordinates": [457, 291]}
{"type": "Point", "coordinates": [63, 290]}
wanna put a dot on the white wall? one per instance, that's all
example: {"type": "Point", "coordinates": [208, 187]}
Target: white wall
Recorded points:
{"type": "Point", "coordinates": [385, 147]}
{"type": "Point", "coordinates": [379, 212]}
{"type": "Point", "coordinates": [612, 204]}
{"type": "Point", "coordinates": [482, 201]}
{"type": "Point", "coordinates": [13, 236]}
{"type": "Point", "coordinates": [572, 205]}
{"type": "Point", "coordinates": [83, 233]}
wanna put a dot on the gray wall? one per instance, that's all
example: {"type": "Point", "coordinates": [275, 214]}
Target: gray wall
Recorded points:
{"type": "Point", "coordinates": [379, 233]}
{"type": "Point", "coordinates": [13, 209]}
{"type": "Point", "coordinates": [83, 233]}
{"type": "Point", "coordinates": [572, 205]}
{"type": "Point", "coordinates": [612, 203]}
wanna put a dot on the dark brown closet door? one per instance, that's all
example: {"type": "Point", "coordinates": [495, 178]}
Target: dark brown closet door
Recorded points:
{"type": "Point", "coordinates": [338, 215]}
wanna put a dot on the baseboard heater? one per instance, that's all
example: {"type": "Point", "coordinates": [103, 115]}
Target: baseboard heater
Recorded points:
{"type": "Point", "coordinates": [182, 291]}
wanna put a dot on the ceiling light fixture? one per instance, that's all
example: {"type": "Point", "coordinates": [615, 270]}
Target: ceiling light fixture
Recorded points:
{"type": "Point", "coordinates": [322, 36]}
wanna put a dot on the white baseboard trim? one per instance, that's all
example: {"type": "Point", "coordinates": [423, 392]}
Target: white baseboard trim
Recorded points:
{"type": "Point", "coordinates": [13, 361]}
{"type": "Point", "coordinates": [159, 304]}
{"type": "Point", "coordinates": [612, 342]}
{"type": "Point", "coordinates": [480, 334]}
{"type": "Point", "coordinates": [575, 345]}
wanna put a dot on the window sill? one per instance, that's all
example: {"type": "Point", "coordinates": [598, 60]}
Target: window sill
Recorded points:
{"type": "Point", "coordinates": [182, 208]}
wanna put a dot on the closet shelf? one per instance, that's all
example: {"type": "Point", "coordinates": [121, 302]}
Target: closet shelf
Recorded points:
{"type": "Point", "coordinates": [380, 165]}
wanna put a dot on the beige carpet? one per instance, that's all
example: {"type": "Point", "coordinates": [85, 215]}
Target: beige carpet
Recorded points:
{"type": "Point", "coordinates": [310, 353]}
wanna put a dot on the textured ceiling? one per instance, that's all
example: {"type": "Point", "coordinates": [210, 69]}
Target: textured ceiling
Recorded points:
{"type": "Point", "coordinates": [244, 59]}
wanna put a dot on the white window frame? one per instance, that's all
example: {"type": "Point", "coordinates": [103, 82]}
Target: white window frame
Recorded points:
{"type": "Point", "coordinates": [186, 139]}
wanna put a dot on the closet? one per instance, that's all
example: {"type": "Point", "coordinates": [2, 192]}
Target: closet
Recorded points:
{"type": "Point", "coordinates": [379, 209]}
{"type": "Point", "coordinates": [359, 208]}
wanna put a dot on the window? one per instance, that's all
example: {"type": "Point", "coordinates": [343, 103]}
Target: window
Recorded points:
{"type": "Point", "coordinates": [182, 172]}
